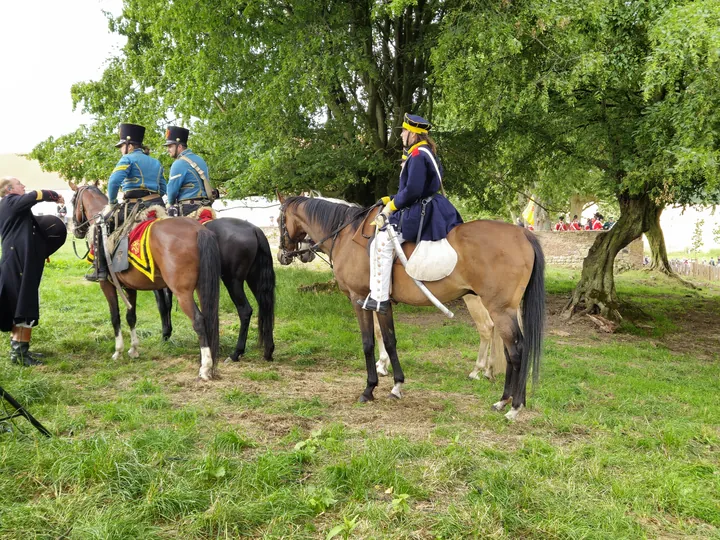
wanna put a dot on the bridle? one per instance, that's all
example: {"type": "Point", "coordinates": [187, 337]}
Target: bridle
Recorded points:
{"type": "Point", "coordinates": [314, 246]}
{"type": "Point", "coordinates": [80, 229]}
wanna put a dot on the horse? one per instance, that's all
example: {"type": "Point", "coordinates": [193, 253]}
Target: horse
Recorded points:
{"type": "Point", "coordinates": [245, 255]}
{"type": "Point", "coordinates": [500, 263]}
{"type": "Point", "coordinates": [187, 258]}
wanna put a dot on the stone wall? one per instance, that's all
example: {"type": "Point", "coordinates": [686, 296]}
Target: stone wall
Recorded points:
{"type": "Point", "coordinates": [569, 248]}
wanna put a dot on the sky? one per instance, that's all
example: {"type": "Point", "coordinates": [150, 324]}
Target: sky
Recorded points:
{"type": "Point", "coordinates": [46, 46]}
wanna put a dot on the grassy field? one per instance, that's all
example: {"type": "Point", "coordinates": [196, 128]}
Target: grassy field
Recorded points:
{"type": "Point", "coordinates": [621, 438]}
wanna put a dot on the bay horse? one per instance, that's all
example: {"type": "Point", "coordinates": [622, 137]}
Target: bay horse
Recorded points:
{"type": "Point", "coordinates": [187, 259]}
{"type": "Point", "coordinates": [245, 255]}
{"type": "Point", "coordinates": [500, 263]}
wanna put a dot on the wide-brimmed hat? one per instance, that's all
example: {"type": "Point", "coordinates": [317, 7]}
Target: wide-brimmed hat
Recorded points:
{"type": "Point", "coordinates": [131, 133]}
{"type": "Point", "coordinates": [176, 135]}
{"type": "Point", "coordinates": [415, 123]}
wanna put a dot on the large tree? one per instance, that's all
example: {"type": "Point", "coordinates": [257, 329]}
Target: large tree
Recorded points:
{"type": "Point", "coordinates": [624, 87]}
{"type": "Point", "coordinates": [295, 95]}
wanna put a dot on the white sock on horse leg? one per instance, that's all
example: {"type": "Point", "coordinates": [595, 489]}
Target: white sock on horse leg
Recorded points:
{"type": "Point", "coordinates": [205, 364]}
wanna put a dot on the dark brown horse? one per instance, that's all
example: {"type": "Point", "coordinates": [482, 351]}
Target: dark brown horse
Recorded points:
{"type": "Point", "coordinates": [187, 259]}
{"type": "Point", "coordinates": [501, 263]}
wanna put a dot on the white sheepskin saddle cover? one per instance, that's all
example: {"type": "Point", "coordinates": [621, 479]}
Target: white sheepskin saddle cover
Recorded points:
{"type": "Point", "coordinates": [432, 261]}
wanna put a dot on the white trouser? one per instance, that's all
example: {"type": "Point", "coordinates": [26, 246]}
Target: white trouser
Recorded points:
{"type": "Point", "coordinates": [382, 255]}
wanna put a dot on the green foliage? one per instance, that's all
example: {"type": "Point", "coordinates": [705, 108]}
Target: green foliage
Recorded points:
{"type": "Point", "coordinates": [603, 97]}
{"type": "Point", "coordinates": [697, 237]}
{"type": "Point", "coordinates": [291, 96]}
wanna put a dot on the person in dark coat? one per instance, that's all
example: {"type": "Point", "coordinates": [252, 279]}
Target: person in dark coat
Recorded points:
{"type": "Point", "coordinates": [26, 243]}
{"type": "Point", "coordinates": [418, 211]}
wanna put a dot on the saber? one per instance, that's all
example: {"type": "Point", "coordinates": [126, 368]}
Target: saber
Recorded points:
{"type": "Point", "coordinates": [401, 255]}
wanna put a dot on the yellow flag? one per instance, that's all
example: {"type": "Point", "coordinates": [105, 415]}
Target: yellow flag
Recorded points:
{"type": "Point", "coordinates": [529, 213]}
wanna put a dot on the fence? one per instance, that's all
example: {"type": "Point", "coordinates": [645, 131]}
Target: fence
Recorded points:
{"type": "Point", "coordinates": [696, 270]}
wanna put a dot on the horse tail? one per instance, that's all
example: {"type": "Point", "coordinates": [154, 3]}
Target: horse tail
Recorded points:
{"type": "Point", "coordinates": [261, 280]}
{"type": "Point", "coordinates": [533, 314]}
{"type": "Point", "coordinates": [209, 288]}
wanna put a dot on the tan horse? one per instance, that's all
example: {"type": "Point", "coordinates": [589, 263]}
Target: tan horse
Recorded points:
{"type": "Point", "coordinates": [501, 263]}
{"type": "Point", "coordinates": [187, 258]}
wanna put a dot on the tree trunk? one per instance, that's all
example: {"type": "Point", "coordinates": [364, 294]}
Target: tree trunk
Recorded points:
{"type": "Point", "coordinates": [659, 259]}
{"type": "Point", "coordinates": [595, 292]}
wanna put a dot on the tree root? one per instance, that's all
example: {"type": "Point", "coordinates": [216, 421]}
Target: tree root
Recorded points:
{"type": "Point", "coordinates": [669, 273]}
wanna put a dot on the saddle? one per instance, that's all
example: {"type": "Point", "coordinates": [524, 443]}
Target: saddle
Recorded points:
{"type": "Point", "coordinates": [126, 222]}
{"type": "Point", "coordinates": [431, 261]}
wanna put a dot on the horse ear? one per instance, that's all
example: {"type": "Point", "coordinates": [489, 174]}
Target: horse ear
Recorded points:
{"type": "Point", "coordinates": [72, 185]}
{"type": "Point", "coordinates": [279, 196]}
{"type": "Point", "coordinates": [97, 182]}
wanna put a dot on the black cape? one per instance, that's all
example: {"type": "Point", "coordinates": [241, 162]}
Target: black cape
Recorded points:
{"type": "Point", "coordinates": [26, 242]}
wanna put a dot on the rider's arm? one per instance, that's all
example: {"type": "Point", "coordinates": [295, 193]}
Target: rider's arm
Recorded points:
{"type": "Point", "coordinates": [119, 174]}
{"type": "Point", "coordinates": [415, 185]}
{"type": "Point", "coordinates": [177, 174]}
{"type": "Point", "coordinates": [162, 186]}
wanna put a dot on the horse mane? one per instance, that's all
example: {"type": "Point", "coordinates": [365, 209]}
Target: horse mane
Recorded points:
{"type": "Point", "coordinates": [327, 213]}
{"type": "Point", "coordinates": [91, 187]}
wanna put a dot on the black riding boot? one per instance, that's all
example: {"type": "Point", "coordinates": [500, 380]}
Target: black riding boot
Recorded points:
{"type": "Point", "coordinates": [99, 272]}
{"type": "Point", "coordinates": [20, 354]}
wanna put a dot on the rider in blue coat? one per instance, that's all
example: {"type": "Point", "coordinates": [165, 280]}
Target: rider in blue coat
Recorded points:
{"type": "Point", "coordinates": [139, 176]}
{"type": "Point", "coordinates": [189, 176]}
{"type": "Point", "coordinates": [418, 211]}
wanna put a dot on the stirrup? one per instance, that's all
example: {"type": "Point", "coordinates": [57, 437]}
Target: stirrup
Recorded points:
{"type": "Point", "coordinates": [370, 304]}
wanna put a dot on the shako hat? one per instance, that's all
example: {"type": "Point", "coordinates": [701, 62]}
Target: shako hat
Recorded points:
{"type": "Point", "coordinates": [176, 135]}
{"type": "Point", "coordinates": [415, 123]}
{"type": "Point", "coordinates": [131, 133]}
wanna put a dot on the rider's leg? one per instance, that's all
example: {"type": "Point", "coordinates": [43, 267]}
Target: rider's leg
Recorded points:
{"type": "Point", "coordinates": [100, 265]}
{"type": "Point", "coordinates": [382, 254]}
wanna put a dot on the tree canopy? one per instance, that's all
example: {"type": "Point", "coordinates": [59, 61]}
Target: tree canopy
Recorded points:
{"type": "Point", "coordinates": [278, 94]}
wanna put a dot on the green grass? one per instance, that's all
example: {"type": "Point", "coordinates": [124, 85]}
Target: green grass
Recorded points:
{"type": "Point", "coordinates": [620, 439]}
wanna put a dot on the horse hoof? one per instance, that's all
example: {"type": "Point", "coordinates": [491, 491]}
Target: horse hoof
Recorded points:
{"type": "Point", "coordinates": [499, 406]}
{"type": "Point", "coordinates": [269, 359]}
{"type": "Point", "coordinates": [474, 376]}
{"type": "Point", "coordinates": [393, 396]}
{"type": "Point", "coordinates": [132, 353]}
{"type": "Point", "coordinates": [229, 359]}
{"type": "Point", "coordinates": [365, 399]}
{"type": "Point", "coordinates": [513, 413]}
{"type": "Point", "coordinates": [382, 371]}
{"type": "Point", "coordinates": [116, 355]}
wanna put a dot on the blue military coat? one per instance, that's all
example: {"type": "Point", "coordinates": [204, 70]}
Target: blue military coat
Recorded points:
{"type": "Point", "coordinates": [420, 178]}
{"type": "Point", "coordinates": [184, 182]}
{"type": "Point", "coordinates": [136, 170]}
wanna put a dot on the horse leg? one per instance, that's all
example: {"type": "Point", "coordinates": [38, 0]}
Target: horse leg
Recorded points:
{"type": "Point", "coordinates": [131, 319]}
{"type": "Point", "coordinates": [387, 328]}
{"type": "Point", "coordinates": [365, 321]}
{"type": "Point", "coordinates": [189, 307]}
{"type": "Point", "coordinates": [110, 293]}
{"type": "Point", "coordinates": [509, 329]}
{"type": "Point", "coordinates": [163, 299]}
{"type": "Point", "coordinates": [484, 325]}
{"type": "Point", "coordinates": [384, 361]}
{"type": "Point", "coordinates": [244, 310]}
